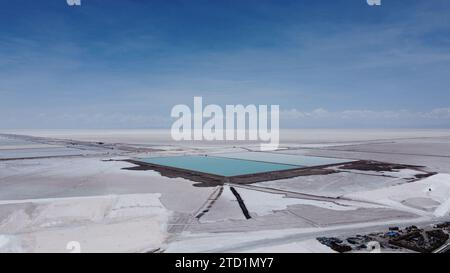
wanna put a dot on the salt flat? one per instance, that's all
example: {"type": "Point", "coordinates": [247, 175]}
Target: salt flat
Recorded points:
{"type": "Point", "coordinates": [291, 137]}
{"type": "Point", "coordinates": [96, 198]}
{"type": "Point", "coordinates": [70, 177]}
{"type": "Point", "coordinates": [332, 185]}
{"type": "Point", "coordinates": [99, 223]}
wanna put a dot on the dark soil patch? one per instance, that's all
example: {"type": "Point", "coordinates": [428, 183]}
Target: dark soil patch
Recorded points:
{"type": "Point", "coordinates": [365, 165]}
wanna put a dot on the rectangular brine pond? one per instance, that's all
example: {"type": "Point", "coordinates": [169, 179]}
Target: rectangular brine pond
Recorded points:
{"type": "Point", "coordinates": [245, 167]}
{"type": "Point", "coordinates": [220, 166]}
{"type": "Point", "coordinates": [291, 159]}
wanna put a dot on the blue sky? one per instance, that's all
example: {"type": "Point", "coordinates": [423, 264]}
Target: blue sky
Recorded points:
{"type": "Point", "coordinates": [124, 64]}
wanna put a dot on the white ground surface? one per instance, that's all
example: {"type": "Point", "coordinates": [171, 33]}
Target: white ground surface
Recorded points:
{"type": "Point", "coordinates": [436, 189]}
{"type": "Point", "coordinates": [306, 246]}
{"type": "Point", "coordinates": [291, 137]}
{"type": "Point", "coordinates": [246, 242]}
{"type": "Point", "coordinates": [332, 185]}
{"type": "Point", "coordinates": [276, 202]}
{"type": "Point", "coordinates": [69, 177]}
{"type": "Point", "coordinates": [99, 223]}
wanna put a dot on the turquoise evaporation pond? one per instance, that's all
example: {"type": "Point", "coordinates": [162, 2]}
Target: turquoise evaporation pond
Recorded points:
{"type": "Point", "coordinates": [218, 165]}
{"type": "Point", "coordinates": [291, 159]}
